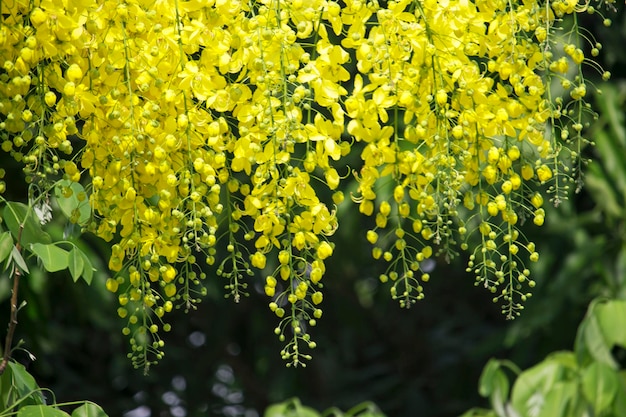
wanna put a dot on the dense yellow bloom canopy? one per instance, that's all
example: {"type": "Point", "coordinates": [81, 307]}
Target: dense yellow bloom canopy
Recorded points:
{"type": "Point", "coordinates": [199, 122]}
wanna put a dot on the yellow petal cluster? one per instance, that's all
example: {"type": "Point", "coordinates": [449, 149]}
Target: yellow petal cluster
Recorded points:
{"type": "Point", "coordinates": [198, 122]}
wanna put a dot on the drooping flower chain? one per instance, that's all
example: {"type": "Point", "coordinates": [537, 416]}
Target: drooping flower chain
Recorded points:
{"type": "Point", "coordinates": [224, 121]}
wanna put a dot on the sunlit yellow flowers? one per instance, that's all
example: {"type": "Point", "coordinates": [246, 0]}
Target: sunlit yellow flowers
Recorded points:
{"type": "Point", "coordinates": [212, 138]}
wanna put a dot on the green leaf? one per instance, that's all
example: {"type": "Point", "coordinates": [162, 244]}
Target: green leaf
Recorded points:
{"type": "Point", "coordinates": [533, 385]}
{"type": "Point", "coordinates": [14, 214]}
{"type": "Point", "coordinates": [304, 411]}
{"type": "Point", "coordinates": [75, 263]}
{"type": "Point", "coordinates": [274, 410]}
{"type": "Point", "coordinates": [19, 260]}
{"type": "Point", "coordinates": [75, 206]}
{"type": "Point", "coordinates": [591, 341]}
{"type": "Point", "coordinates": [488, 381]}
{"type": "Point", "coordinates": [53, 258]}
{"type": "Point", "coordinates": [365, 409]}
{"type": "Point", "coordinates": [41, 411]}
{"type": "Point", "coordinates": [6, 245]}
{"type": "Point", "coordinates": [24, 384]}
{"type": "Point", "coordinates": [5, 390]}
{"type": "Point", "coordinates": [494, 384]}
{"type": "Point", "coordinates": [89, 410]}
{"type": "Point", "coordinates": [600, 384]}
{"type": "Point", "coordinates": [87, 268]}
{"type": "Point", "coordinates": [620, 400]}
{"type": "Point", "coordinates": [600, 330]}
{"type": "Point", "coordinates": [479, 412]}
{"type": "Point", "coordinates": [290, 408]}
{"type": "Point", "coordinates": [566, 359]}
{"type": "Point", "coordinates": [558, 399]}
{"type": "Point", "coordinates": [612, 319]}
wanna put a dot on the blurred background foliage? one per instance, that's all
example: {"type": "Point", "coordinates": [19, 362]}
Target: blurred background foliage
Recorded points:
{"type": "Point", "coordinates": [221, 359]}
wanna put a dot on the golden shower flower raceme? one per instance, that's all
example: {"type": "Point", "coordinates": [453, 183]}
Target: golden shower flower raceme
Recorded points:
{"type": "Point", "coordinates": [211, 133]}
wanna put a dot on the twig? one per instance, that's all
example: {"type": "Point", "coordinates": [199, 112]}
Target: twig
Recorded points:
{"type": "Point", "coordinates": [13, 320]}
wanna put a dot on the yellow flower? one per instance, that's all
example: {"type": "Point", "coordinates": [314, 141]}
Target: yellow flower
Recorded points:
{"type": "Point", "coordinates": [258, 260]}
{"type": "Point", "coordinates": [169, 290]}
{"type": "Point", "coordinates": [111, 285]}
{"type": "Point", "coordinates": [317, 297]}
{"type": "Point", "coordinates": [324, 250]}
{"type": "Point", "coordinates": [537, 200]}
{"type": "Point", "coordinates": [74, 73]}
{"type": "Point", "coordinates": [544, 173]}
{"type": "Point", "coordinates": [169, 273]}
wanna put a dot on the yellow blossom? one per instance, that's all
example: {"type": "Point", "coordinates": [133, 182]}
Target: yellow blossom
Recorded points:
{"type": "Point", "coordinates": [231, 122]}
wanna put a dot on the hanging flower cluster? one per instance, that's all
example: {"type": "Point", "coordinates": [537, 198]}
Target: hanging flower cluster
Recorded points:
{"type": "Point", "coordinates": [204, 122]}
